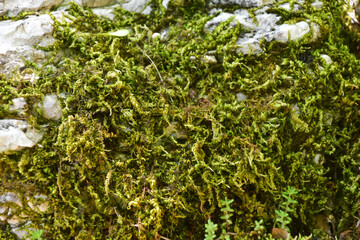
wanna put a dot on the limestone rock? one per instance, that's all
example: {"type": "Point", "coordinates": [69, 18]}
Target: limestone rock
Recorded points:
{"type": "Point", "coordinates": [288, 32]}
{"type": "Point", "coordinates": [242, 3]}
{"type": "Point", "coordinates": [29, 31]}
{"type": "Point", "coordinates": [241, 97]}
{"type": "Point", "coordinates": [248, 46]}
{"type": "Point", "coordinates": [239, 18]}
{"type": "Point", "coordinates": [18, 104]}
{"type": "Point", "coordinates": [104, 12]}
{"type": "Point", "coordinates": [18, 37]}
{"type": "Point", "coordinates": [92, 3]}
{"type": "Point", "coordinates": [51, 108]}
{"type": "Point", "coordinates": [17, 134]}
{"type": "Point", "coordinates": [327, 59]}
{"type": "Point", "coordinates": [14, 7]}
{"type": "Point", "coordinates": [137, 6]}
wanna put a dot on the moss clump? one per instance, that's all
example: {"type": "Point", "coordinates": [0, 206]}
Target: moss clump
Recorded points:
{"type": "Point", "coordinates": [142, 156]}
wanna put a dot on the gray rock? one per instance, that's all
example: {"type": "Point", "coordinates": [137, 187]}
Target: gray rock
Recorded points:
{"type": "Point", "coordinates": [288, 32]}
{"type": "Point", "coordinates": [316, 32]}
{"type": "Point", "coordinates": [97, 3]}
{"type": "Point", "coordinates": [239, 18]}
{"type": "Point", "coordinates": [27, 32]}
{"type": "Point", "coordinates": [14, 7]}
{"type": "Point", "coordinates": [104, 12]}
{"type": "Point", "coordinates": [317, 4]}
{"type": "Point", "coordinates": [267, 22]}
{"type": "Point", "coordinates": [51, 108]}
{"type": "Point", "coordinates": [137, 6]}
{"type": "Point", "coordinates": [248, 46]}
{"type": "Point", "coordinates": [241, 3]}
{"type": "Point", "coordinates": [240, 97]}
{"type": "Point", "coordinates": [209, 59]}
{"type": "Point", "coordinates": [17, 134]}
{"type": "Point", "coordinates": [18, 104]}
{"type": "Point", "coordinates": [327, 59]}
{"type": "Point", "coordinates": [91, 3]}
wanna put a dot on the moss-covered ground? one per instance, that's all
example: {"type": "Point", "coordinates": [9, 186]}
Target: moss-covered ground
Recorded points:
{"type": "Point", "coordinates": [146, 149]}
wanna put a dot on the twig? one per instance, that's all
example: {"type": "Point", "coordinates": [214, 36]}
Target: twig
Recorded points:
{"type": "Point", "coordinates": [157, 70]}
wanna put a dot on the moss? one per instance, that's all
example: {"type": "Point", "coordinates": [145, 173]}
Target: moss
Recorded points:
{"type": "Point", "coordinates": [139, 156]}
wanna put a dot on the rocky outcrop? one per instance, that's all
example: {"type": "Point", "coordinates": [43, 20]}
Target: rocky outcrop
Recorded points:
{"type": "Point", "coordinates": [16, 135]}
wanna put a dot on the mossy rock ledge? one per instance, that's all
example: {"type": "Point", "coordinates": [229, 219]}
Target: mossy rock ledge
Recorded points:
{"type": "Point", "coordinates": [140, 136]}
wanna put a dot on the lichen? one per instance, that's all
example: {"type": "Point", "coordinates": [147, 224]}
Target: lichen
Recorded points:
{"type": "Point", "coordinates": [142, 156]}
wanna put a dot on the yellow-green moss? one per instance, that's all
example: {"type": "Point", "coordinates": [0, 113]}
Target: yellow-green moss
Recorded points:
{"type": "Point", "coordinates": [137, 156]}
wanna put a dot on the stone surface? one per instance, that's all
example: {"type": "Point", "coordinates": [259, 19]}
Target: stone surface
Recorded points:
{"type": "Point", "coordinates": [326, 58]}
{"type": "Point", "coordinates": [51, 108]}
{"type": "Point", "coordinates": [137, 6]}
{"type": "Point", "coordinates": [14, 7]}
{"type": "Point", "coordinates": [18, 104]}
{"type": "Point", "coordinates": [16, 135]}
{"type": "Point", "coordinates": [240, 97]}
{"type": "Point", "coordinates": [288, 32]}
{"type": "Point", "coordinates": [248, 46]}
{"type": "Point", "coordinates": [239, 18]}
{"type": "Point", "coordinates": [20, 225]}
{"type": "Point", "coordinates": [242, 3]}
{"type": "Point", "coordinates": [29, 31]}
{"type": "Point", "coordinates": [17, 39]}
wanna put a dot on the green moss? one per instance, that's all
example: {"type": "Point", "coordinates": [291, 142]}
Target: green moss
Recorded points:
{"type": "Point", "coordinates": [138, 155]}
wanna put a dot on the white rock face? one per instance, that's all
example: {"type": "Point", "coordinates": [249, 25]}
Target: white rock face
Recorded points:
{"type": "Point", "coordinates": [327, 59]}
{"type": "Point", "coordinates": [248, 46]}
{"type": "Point", "coordinates": [18, 104]}
{"type": "Point", "coordinates": [265, 27]}
{"type": "Point", "coordinates": [92, 3]}
{"type": "Point", "coordinates": [51, 108]}
{"type": "Point", "coordinates": [20, 224]}
{"type": "Point", "coordinates": [242, 3]}
{"type": "Point", "coordinates": [241, 97]}
{"type": "Point", "coordinates": [288, 32]}
{"type": "Point", "coordinates": [137, 6]}
{"type": "Point", "coordinates": [239, 18]}
{"type": "Point", "coordinates": [24, 32]}
{"type": "Point", "coordinates": [14, 7]}
{"type": "Point", "coordinates": [16, 135]}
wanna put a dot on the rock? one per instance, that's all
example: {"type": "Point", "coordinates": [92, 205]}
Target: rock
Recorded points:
{"type": "Point", "coordinates": [137, 6]}
{"type": "Point", "coordinates": [210, 59]}
{"type": "Point", "coordinates": [240, 97]}
{"type": "Point", "coordinates": [24, 32]}
{"type": "Point", "coordinates": [327, 59]}
{"type": "Point", "coordinates": [248, 46]}
{"type": "Point", "coordinates": [18, 104]}
{"type": "Point", "coordinates": [20, 225]}
{"type": "Point", "coordinates": [14, 7]}
{"type": "Point", "coordinates": [91, 3]}
{"type": "Point", "coordinates": [17, 39]}
{"type": "Point", "coordinates": [16, 135]}
{"type": "Point", "coordinates": [239, 18]}
{"type": "Point", "coordinates": [317, 4]}
{"type": "Point", "coordinates": [241, 3]}
{"type": "Point", "coordinates": [288, 32]}
{"type": "Point", "coordinates": [51, 108]}
{"type": "Point", "coordinates": [41, 203]}
{"type": "Point", "coordinates": [266, 21]}
{"type": "Point", "coordinates": [97, 3]}
{"type": "Point", "coordinates": [287, 6]}
{"type": "Point", "coordinates": [156, 35]}
{"type": "Point", "coordinates": [104, 12]}
{"type": "Point", "coordinates": [316, 32]}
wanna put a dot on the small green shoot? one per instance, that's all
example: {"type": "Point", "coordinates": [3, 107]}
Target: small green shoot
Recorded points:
{"type": "Point", "coordinates": [210, 229]}
{"type": "Point", "coordinates": [36, 234]}
{"type": "Point", "coordinates": [283, 218]}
